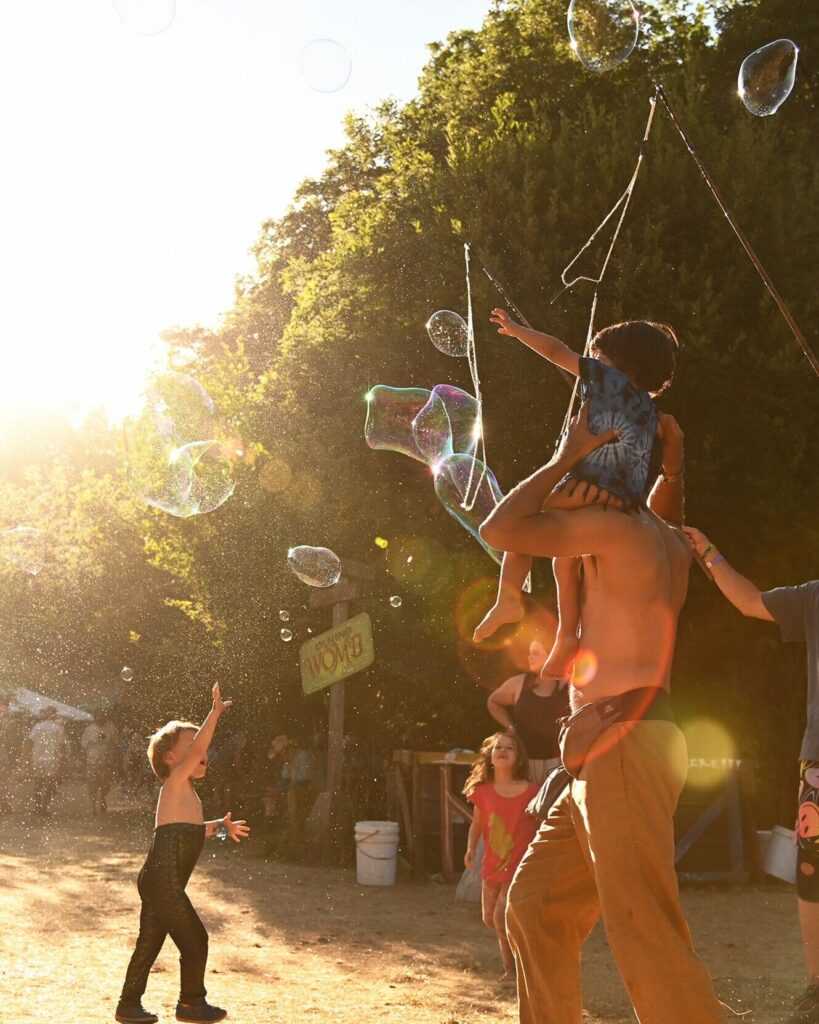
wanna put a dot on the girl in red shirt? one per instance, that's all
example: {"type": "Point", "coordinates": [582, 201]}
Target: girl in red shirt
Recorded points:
{"type": "Point", "coordinates": [499, 789]}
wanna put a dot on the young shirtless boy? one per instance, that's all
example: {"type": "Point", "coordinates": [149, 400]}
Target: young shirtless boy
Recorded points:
{"type": "Point", "coordinates": [178, 753]}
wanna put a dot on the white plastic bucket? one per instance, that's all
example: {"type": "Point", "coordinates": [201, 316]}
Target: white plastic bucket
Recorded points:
{"type": "Point", "coordinates": [780, 855]}
{"type": "Point", "coordinates": [763, 837]}
{"type": "Point", "coordinates": [376, 852]}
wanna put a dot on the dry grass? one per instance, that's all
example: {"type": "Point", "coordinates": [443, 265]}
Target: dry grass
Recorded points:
{"type": "Point", "coordinates": [301, 944]}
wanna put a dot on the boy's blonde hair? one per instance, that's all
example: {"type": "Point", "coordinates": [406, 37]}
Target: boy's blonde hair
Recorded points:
{"type": "Point", "coordinates": [162, 742]}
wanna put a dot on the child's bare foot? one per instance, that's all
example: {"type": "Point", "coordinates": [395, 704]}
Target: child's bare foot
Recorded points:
{"type": "Point", "coordinates": [508, 977]}
{"type": "Point", "coordinates": [507, 609]}
{"type": "Point", "coordinates": [559, 663]}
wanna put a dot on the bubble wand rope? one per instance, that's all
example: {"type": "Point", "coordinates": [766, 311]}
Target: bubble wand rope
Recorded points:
{"type": "Point", "coordinates": [746, 245]}
{"type": "Point", "coordinates": [478, 439]}
{"type": "Point", "coordinates": [622, 204]}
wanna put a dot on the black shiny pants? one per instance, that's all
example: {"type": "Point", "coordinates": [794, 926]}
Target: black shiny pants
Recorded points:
{"type": "Point", "coordinates": [167, 910]}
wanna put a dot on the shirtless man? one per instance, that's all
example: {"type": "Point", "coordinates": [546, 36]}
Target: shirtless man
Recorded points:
{"type": "Point", "coordinates": [607, 846]}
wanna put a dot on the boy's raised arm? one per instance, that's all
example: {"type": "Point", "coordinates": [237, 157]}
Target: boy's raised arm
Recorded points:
{"type": "Point", "coordinates": [204, 736]}
{"type": "Point", "coordinates": [545, 345]}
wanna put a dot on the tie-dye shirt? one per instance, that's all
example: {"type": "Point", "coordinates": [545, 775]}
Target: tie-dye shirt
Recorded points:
{"type": "Point", "coordinates": [621, 467]}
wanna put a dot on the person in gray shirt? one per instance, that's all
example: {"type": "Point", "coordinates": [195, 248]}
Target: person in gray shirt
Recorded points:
{"type": "Point", "coordinates": [796, 611]}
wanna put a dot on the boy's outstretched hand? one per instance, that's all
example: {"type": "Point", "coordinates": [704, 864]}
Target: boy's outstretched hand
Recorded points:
{"type": "Point", "coordinates": [506, 325]}
{"type": "Point", "coordinates": [219, 705]}
{"type": "Point", "coordinates": [237, 830]}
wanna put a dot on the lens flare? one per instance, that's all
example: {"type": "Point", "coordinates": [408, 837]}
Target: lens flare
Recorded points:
{"type": "Point", "coordinates": [585, 667]}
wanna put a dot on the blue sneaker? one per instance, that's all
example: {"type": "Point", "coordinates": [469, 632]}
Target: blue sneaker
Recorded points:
{"type": "Point", "coordinates": [135, 1014]}
{"type": "Point", "coordinates": [199, 1013]}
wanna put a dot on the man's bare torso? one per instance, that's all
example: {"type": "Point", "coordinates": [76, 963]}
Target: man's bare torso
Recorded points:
{"type": "Point", "coordinates": [632, 596]}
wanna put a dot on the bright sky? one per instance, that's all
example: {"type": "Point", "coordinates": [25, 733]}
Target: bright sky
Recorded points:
{"type": "Point", "coordinates": [139, 168]}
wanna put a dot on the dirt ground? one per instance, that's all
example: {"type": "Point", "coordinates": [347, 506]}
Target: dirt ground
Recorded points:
{"type": "Point", "coordinates": [306, 944]}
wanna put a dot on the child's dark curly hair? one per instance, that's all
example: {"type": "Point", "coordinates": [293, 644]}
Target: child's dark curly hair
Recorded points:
{"type": "Point", "coordinates": [646, 352]}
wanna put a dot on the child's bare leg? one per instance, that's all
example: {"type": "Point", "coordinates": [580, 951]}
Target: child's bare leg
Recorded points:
{"type": "Point", "coordinates": [567, 578]}
{"type": "Point", "coordinates": [508, 606]}
{"type": "Point", "coordinates": [507, 957]}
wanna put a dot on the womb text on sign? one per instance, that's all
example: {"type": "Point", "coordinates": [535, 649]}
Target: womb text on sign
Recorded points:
{"type": "Point", "coordinates": [336, 654]}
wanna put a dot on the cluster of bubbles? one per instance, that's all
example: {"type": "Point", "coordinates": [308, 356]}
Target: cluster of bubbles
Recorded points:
{"type": "Point", "coordinates": [25, 547]}
{"type": "Point", "coordinates": [604, 33]}
{"type": "Point", "coordinates": [440, 428]}
{"type": "Point", "coordinates": [180, 456]}
{"type": "Point", "coordinates": [325, 65]}
{"type": "Point", "coordinates": [147, 17]}
{"type": "Point", "coordinates": [766, 77]}
{"type": "Point", "coordinates": [317, 567]}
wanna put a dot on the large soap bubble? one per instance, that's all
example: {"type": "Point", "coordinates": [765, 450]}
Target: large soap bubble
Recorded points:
{"type": "Point", "coordinates": [317, 567]}
{"type": "Point", "coordinates": [603, 33]}
{"type": "Point", "coordinates": [325, 65]}
{"type": "Point", "coordinates": [148, 17]}
{"type": "Point", "coordinates": [25, 547]}
{"type": "Point", "coordinates": [390, 415]}
{"type": "Point", "coordinates": [448, 424]}
{"type": "Point", "coordinates": [766, 77]}
{"type": "Point", "coordinates": [448, 332]}
{"type": "Point", "coordinates": [179, 454]}
{"type": "Point", "coordinates": [452, 481]}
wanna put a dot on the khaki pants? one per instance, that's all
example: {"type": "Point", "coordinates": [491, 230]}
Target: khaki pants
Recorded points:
{"type": "Point", "coordinates": [608, 848]}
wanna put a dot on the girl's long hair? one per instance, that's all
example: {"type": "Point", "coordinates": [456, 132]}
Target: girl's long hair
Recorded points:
{"type": "Point", "coordinates": [482, 770]}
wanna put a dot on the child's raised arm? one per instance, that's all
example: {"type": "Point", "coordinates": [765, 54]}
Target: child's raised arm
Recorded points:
{"type": "Point", "coordinates": [545, 345]}
{"type": "Point", "coordinates": [204, 736]}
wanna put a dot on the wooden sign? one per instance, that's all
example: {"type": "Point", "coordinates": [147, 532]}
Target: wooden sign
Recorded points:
{"type": "Point", "coordinates": [336, 654]}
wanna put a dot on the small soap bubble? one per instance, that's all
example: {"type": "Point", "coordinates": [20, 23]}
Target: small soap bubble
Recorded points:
{"type": "Point", "coordinates": [286, 635]}
{"type": "Point", "coordinates": [448, 332]}
{"type": "Point", "coordinates": [284, 615]}
{"type": "Point", "coordinates": [396, 601]}
{"type": "Point", "coordinates": [25, 547]}
{"type": "Point", "coordinates": [766, 77]}
{"type": "Point", "coordinates": [221, 833]}
{"type": "Point", "coordinates": [317, 567]}
{"type": "Point", "coordinates": [325, 65]}
{"type": "Point", "coordinates": [382, 542]}
{"type": "Point", "coordinates": [603, 33]}
{"type": "Point", "coordinates": [127, 674]}
{"type": "Point", "coordinates": [147, 17]}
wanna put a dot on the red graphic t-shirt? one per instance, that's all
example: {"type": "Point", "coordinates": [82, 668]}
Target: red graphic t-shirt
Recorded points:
{"type": "Point", "coordinates": [506, 828]}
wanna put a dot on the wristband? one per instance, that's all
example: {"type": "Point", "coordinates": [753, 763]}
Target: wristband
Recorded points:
{"type": "Point", "coordinates": [715, 560]}
{"type": "Point", "coordinates": [705, 553]}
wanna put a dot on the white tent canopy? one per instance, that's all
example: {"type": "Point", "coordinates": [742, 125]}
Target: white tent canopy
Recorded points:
{"type": "Point", "coordinates": [34, 703]}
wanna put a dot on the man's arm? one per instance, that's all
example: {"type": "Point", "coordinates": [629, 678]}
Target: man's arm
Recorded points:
{"type": "Point", "coordinates": [521, 524]}
{"type": "Point", "coordinates": [667, 498]}
{"type": "Point", "coordinates": [545, 345]}
{"type": "Point", "coordinates": [742, 594]}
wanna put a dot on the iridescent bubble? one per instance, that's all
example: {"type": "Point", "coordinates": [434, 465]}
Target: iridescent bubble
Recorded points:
{"type": "Point", "coordinates": [390, 415]}
{"type": "Point", "coordinates": [180, 456]}
{"type": "Point", "coordinates": [221, 833]}
{"type": "Point", "coordinates": [603, 33]}
{"type": "Point", "coordinates": [448, 332]}
{"type": "Point", "coordinates": [453, 478]}
{"type": "Point", "coordinates": [766, 77]}
{"type": "Point", "coordinates": [284, 615]}
{"type": "Point", "coordinates": [448, 424]}
{"type": "Point", "coordinates": [25, 547]}
{"type": "Point", "coordinates": [396, 601]}
{"type": "Point", "coordinates": [127, 674]}
{"type": "Point", "coordinates": [325, 65]}
{"type": "Point", "coordinates": [317, 567]}
{"type": "Point", "coordinates": [148, 17]}
{"type": "Point", "coordinates": [286, 635]}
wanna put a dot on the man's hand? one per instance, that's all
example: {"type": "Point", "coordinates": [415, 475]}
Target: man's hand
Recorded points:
{"type": "Point", "coordinates": [237, 830]}
{"type": "Point", "coordinates": [219, 705]}
{"type": "Point", "coordinates": [506, 325]}
{"type": "Point", "coordinates": [580, 441]}
{"type": "Point", "coordinates": [698, 541]}
{"type": "Point", "coordinates": [672, 438]}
